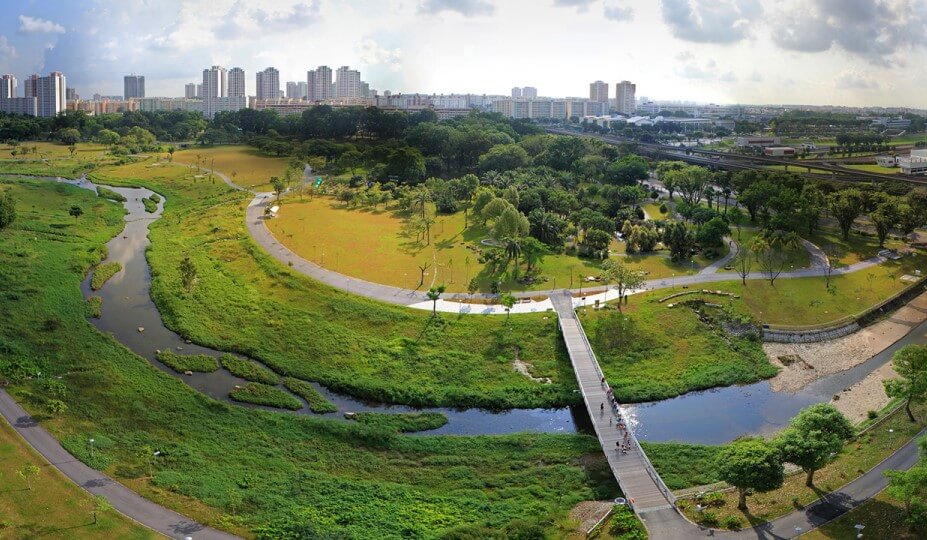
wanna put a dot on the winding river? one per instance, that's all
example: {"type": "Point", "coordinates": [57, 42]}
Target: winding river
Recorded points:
{"type": "Point", "coordinates": [708, 417]}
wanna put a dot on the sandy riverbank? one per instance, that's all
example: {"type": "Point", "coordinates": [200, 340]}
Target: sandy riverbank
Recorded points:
{"type": "Point", "coordinates": [808, 362]}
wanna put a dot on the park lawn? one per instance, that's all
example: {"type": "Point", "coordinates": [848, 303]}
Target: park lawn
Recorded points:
{"type": "Point", "coordinates": [854, 249]}
{"type": "Point", "coordinates": [874, 168]}
{"type": "Point", "coordinates": [244, 165]}
{"type": "Point", "coordinates": [669, 351]}
{"type": "Point", "coordinates": [168, 179]}
{"type": "Point", "coordinates": [54, 506]}
{"type": "Point", "coordinates": [652, 211]}
{"type": "Point", "coordinates": [53, 159]}
{"type": "Point", "coordinates": [252, 472]}
{"type": "Point", "coordinates": [324, 335]}
{"type": "Point", "coordinates": [796, 257]}
{"type": "Point", "coordinates": [883, 516]}
{"type": "Point", "coordinates": [858, 456]}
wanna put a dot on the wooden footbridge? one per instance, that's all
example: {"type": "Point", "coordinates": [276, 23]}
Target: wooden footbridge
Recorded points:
{"type": "Point", "coordinates": [639, 481]}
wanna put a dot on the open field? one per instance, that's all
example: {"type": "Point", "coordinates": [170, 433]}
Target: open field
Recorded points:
{"type": "Point", "coordinates": [52, 506]}
{"type": "Point", "coordinates": [854, 249]}
{"type": "Point", "coordinates": [874, 168]}
{"type": "Point", "coordinates": [245, 165]}
{"type": "Point", "coordinates": [796, 257]}
{"type": "Point", "coordinates": [253, 472]}
{"type": "Point", "coordinates": [52, 159]}
{"type": "Point", "coordinates": [345, 240]}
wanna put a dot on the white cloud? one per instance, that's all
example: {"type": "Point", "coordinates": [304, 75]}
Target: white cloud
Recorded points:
{"type": "Point", "coordinates": [33, 25]}
{"type": "Point", "coordinates": [467, 8]}
{"type": "Point", "coordinates": [7, 51]}
{"type": "Point", "coordinates": [854, 80]}
{"type": "Point", "coordinates": [711, 21]}
{"type": "Point", "coordinates": [370, 53]}
{"type": "Point", "coordinates": [615, 11]}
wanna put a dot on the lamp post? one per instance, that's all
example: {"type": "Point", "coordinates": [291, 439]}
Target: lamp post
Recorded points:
{"type": "Point", "coordinates": [91, 448]}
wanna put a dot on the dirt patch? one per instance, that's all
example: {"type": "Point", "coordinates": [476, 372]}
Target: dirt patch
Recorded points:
{"type": "Point", "coordinates": [828, 357]}
{"type": "Point", "coordinates": [525, 369]}
{"type": "Point", "coordinates": [866, 395]}
{"type": "Point", "coordinates": [588, 513]}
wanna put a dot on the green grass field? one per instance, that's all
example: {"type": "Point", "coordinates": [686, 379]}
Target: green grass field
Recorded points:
{"type": "Point", "coordinates": [874, 169]}
{"type": "Point", "coordinates": [52, 159]}
{"type": "Point", "coordinates": [249, 471]}
{"type": "Point", "coordinates": [883, 517]}
{"type": "Point", "coordinates": [244, 165]}
{"type": "Point", "coordinates": [795, 258]}
{"type": "Point", "coordinates": [854, 249]}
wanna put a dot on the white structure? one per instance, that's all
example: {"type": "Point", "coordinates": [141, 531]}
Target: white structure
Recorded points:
{"type": "Point", "coordinates": [598, 91]}
{"type": "Point", "coordinates": [52, 94]}
{"type": "Point", "coordinates": [744, 142]}
{"type": "Point", "coordinates": [267, 84]}
{"type": "Point", "coordinates": [7, 86]}
{"type": "Point", "coordinates": [213, 105]}
{"type": "Point", "coordinates": [916, 163]}
{"type": "Point", "coordinates": [529, 92]}
{"type": "Point", "coordinates": [215, 83]}
{"type": "Point", "coordinates": [548, 108]}
{"type": "Point", "coordinates": [297, 90]}
{"type": "Point", "coordinates": [516, 91]}
{"type": "Point", "coordinates": [319, 83]}
{"type": "Point", "coordinates": [169, 104]}
{"type": "Point", "coordinates": [625, 102]}
{"type": "Point", "coordinates": [31, 86]}
{"type": "Point", "coordinates": [236, 86]}
{"type": "Point", "coordinates": [189, 91]}
{"type": "Point", "coordinates": [348, 83]}
{"type": "Point", "coordinates": [133, 86]}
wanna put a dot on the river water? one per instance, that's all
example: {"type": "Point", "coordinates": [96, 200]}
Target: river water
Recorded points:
{"type": "Point", "coordinates": [707, 417]}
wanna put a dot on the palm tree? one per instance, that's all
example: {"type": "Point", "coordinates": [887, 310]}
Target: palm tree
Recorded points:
{"type": "Point", "coordinates": [434, 294]}
{"type": "Point", "coordinates": [513, 251]}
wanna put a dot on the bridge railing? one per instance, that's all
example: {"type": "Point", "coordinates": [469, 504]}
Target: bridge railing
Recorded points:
{"type": "Point", "coordinates": [651, 470]}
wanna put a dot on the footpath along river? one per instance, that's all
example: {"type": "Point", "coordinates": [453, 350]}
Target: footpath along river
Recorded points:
{"type": "Point", "coordinates": [707, 417]}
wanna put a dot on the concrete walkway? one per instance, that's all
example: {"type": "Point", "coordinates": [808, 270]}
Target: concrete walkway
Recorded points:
{"type": "Point", "coordinates": [123, 499]}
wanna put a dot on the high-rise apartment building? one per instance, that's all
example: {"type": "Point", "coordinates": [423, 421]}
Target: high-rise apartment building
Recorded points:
{"type": "Point", "coordinates": [236, 85]}
{"type": "Point", "coordinates": [51, 92]}
{"type": "Point", "coordinates": [625, 101]}
{"type": "Point", "coordinates": [31, 86]}
{"type": "Point", "coordinates": [529, 92]}
{"type": "Point", "coordinates": [215, 82]}
{"type": "Point", "coordinates": [296, 89]}
{"type": "Point", "coordinates": [7, 86]}
{"type": "Point", "coordinates": [347, 83]}
{"type": "Point", "coordinates": [319, 83]}
{"type": "Point", "coordinates": [268, 84]}
{"type": "Point", "coordinates": [598, 91]}
{"type": "Point", "coordinates": [189, 91]}
{"type": "Point", "coordinates": [71, 94]}
{"type": "Point", "coordinates": [516, 91]}
{"type": "Point", "coordinates": [133, 86]}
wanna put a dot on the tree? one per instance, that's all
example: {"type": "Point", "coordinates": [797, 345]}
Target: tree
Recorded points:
{"type": "Point", "coordinates": [503, 157]}
{"type": "Point", "coordinates": [507, 301]}
{"type": "Point", "coordinates": [743, 263]}
{"type": "Point", "coordinates": [170, 152]}
{"type": "Point", "coordinates": [494, 208]}
{"type": "Point", "coordinates": [625, 279]}
{"type": "Point", "coordinates": [597, 241]}
{"type": "Point", "coordinates": [109, 137]}
{"type": "Point", "coordinates": [7, 209]}
{"type": "Point", "coordinates": [691, 182]}
{"type": "Point", "coordinates": [72, 149]}
{"type": "Point", "coordinates": [810, 206]}
{"type": "Point", "coordinates": [909, 487]}
{"type": "Point", "coordinates": [814, 437]}
{"type": "Point", "coordinates": [510, 224]}
{"type": "Point", "coordinates": [68, 136]}
{"type": "Point", "coordinates": [29, 473]}
{"type": "Point", "coordinates": [736, 217]}
{"type": "Point", "coordinates": [832, 263]}
{"type": "Point", "coordinates": [769, 251]}
{"type": "Point", "coordinates": [513, 250]}
{"type": "Point", "coordinates": [76, 211]}
{"type": "Point", "coordinates": [750, 464]}
{"type": "Point", "coordinates": [884, 218]}
{"type": "Point", "coordinates": [711, 234]}
{"type": "Point", "coordinates": [434, 294]}
{"type": "Point", "coordinates": [187, 273]}
{"type": "Point", "coordinates": [278, 184]}
{"type": "Point", "coordinates": [678, 237]}
{"type": "Point", "coordinates": [910, 363]}
{"type": "Point", "coordinates": [422, 268]}
{"type": "Point", "coordinates": [845, 206]}
{"type": "Point", "coordinates": [533, 251]}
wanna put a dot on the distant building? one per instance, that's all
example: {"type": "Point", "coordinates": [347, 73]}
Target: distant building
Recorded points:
{"type": "Point", "coordinates": [891, 123]}
{"type": "Point", "coordinates": [916, 163]}
{"type": "Point", "coordinates": [267, 84]}
{"type": "Point", "coordinates": [133, 86]}
{"type": "Point", "coordinates": [31, 86]}
{"type": "Point", "coordinates": [189, 91]}
{"type": "Point", "coordinates": [71, 94]}
{"type": "Point", "coordinates": [529, 92]}
{"type": "Point", "coordinates": [598, 91]}
{"type": "Point", "coordinates": [348, 83]}
{"type": "Point", "coordinates": [319, 84]}
{"type": "Point", "coordinates": [625, 102]}
{"type": "Point", "coordinates": [52, 98]}
{"type": "Point", "coordinates": [28, 106]}
{"type": "Point", "coordinates": [7, 86]}
{"type": "Point", "coordinates": [562, 109]}
{"type": "Point", "coordinates": [887, 161]}
{"type": "Point", "coordinates": [745, 142]}
{"type": "Point", "coordinates": [213, 105]}
{"type": "Point", "coordinates": [297, 90]}
{"type": "Point", "coordinates": [215, 82]}
{"type": "Point", "coordinates": [169, 104]}
{"type": "Point", "coordinates": [779, 151]}
{"type": "Point", "coordinates": [236, 83]}
{"type": "Point", "coordinates": [516, 91]}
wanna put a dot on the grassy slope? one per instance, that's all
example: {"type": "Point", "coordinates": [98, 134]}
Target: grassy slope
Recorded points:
{"type": "Point", "coordinates": [243, 296]}
{"type": "Point", "coordinates": [242, 469]}
{"type": "Point", "coordinates": [55, 506]}
{"type": "Point", "coordinates": [250, 167]}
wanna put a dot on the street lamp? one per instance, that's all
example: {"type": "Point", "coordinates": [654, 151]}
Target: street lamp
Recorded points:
{"type": "Point", "coordinates": [859, 529]}
{"type": "Point", "coordinates": [91, 448]}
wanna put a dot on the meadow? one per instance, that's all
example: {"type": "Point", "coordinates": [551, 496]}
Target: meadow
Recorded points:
{"type": "Point", "coordinates": [244, 165]}
{"type": "Point", "coordinates": [51, 159]}
{"type": "Point", "coordinates": [252, 472]}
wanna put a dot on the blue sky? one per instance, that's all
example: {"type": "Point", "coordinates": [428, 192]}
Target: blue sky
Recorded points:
{"type": "Point", "coordinates": [853, 52]}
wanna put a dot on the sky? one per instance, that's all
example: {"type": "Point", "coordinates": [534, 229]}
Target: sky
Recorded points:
{"type": "Point", "coordinates": [840, 52]}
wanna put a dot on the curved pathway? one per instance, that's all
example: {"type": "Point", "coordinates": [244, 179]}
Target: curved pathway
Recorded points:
{"type": "Point", "coordinates": [123, 499]}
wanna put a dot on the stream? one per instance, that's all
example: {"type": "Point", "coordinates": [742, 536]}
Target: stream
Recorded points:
{"type": "Point", "coordinates": [706, 417]}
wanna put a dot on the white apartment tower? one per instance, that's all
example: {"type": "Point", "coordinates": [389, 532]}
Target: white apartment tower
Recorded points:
{"type": "Point", "coordinates": [319, 83]}
{"type": "Point", "coordinates": [31, 86]}
{"type": "Point", "coordinates": [52, 94]}
{"type": "Point", "coordinates": [529, 92]}
{"type": "Point", "coordinates": [7, 86]}
{"type": "Point", "coordinates": [268, 83]}
{"type": "Point", "coordinates": [625, 101]}
{"type": "Point", "coordinates": [296, 89]}
{"type": "Point", "coordinates": [189, 91]}
{"type": "Point", "coordinates": [347, 83]}
{"type": "Point", "coordinates": [236, 86]}
{"type": "Point", "coordinates": [516, 91]}
{"type": "Point", "coordinates": [598, 91]}
{"type": "Point", "coordinates": [133, 86]}
{"type": "Point", "coordinates": [215, 82]}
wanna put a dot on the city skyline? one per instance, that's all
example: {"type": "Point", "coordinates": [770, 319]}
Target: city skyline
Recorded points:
{"type": "Point", "coordinates": [731, 51]}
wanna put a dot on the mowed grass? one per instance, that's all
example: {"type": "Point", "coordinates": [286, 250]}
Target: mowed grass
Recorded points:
{"type": "Point", "coordinates": [244, 165]}
{"type": "Point", "coordinates": [54, 507]}
{"type": "Point", "coordinates": [53, 159]}
{"type": "Point", "coordinates": [854, 249]}
{"type": "Point", "coordinates": [882, 515]}
{"type": "Point", "coordinates": [252, 472]}
{"type": "Point", "coordinates": [350, 344]}
{"type": "Point", "coordinates": [347, 240]}
{"type": "Point", "coordinates": [874, 168]}
{"type": "Point", "coordinates": [795, 257]}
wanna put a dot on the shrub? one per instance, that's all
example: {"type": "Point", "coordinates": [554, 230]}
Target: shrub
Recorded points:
{"type": "Point", "coordinates": [188, 362]}
{"type": "Point", "coordinates": [663, 208]}
{"type": "Point", "coordinates": [262, 394]}
{"type": "Point", "coordinates": [732, 522]}
{"type": "Point", "coordinates": [150, 206]}
{"type": "Point", "coordinates": [872, 414]}
{"type": "Point", "coordinates": [624, 524]}
{"type": "Point", "coordinates": [94, 307]}
{"type": "Point", "coordinates": [102, 274]}
{"type": "Point", "coordinates": [155, 198]}
{"type": "Point", "coordinates": [110, 194]}
{"type": "Point", "coordinates": [714, 498]}
{"type": "Point", "coordinates": [317, 402]}
{"type": "Point", "coordinates": [248, 370]}
{"type": "Point", "coordinates": [708, 519]}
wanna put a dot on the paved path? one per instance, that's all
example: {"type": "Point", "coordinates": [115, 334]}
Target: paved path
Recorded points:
{"type": "Point", "coordinates": [123, 499]}
{"type": "Point", "coordinates": [638, 480]}
{"type": "Point", "coordinates": [723, 261]}
{"type": "Point", "coordinates": [818, 257]}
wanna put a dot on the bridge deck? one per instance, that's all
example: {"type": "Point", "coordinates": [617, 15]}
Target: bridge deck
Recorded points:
{"type": "Point", "coordinates": [634, 473]}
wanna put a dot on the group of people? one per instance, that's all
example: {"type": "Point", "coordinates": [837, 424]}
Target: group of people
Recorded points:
{"type": "Point", "coordinates": [622, 446]}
